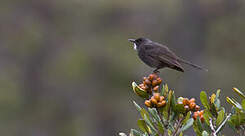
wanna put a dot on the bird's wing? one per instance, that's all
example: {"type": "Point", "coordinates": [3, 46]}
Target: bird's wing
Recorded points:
{"type": "Point", "coordinates": [162, 53]}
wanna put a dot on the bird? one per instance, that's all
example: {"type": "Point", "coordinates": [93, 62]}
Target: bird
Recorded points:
{"type": "Point", "coordinates": [159, 56]}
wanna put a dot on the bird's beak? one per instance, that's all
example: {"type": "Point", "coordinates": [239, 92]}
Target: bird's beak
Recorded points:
{"type": "Point", "coordinates": [131, 40]}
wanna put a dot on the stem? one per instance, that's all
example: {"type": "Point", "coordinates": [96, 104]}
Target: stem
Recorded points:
{"type": "Point", "coordinates": [160, 115]}
{"type": "Point", "coordinates": [223, 123]}
{"type": "Point", "coordinates": [179, 124]}
{"type": "Point", "coordinates": [212, 127]}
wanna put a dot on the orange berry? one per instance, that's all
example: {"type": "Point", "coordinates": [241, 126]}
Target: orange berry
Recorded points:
{"type": "Point", "coordinates": [146, 87]}
{"type": "Point", "coordinates": [201, 112]}
{"type": "Point", "coordinates": [197, 108]}
{"type": "Point", "coordinates": [154, 101]}
{"type": "Point", "coordinates": [161, 98]}
{"type": "Point", "coordinates": [161, 104]}
{"type": "Point", "coordinates": [151, 77]}
{"type": "Point", "coordinates": [192, 105]}
{"type": "Point", "coordinates": [186, 101]}
{"type": "Point", "coordinates": [154, 83]}
{"type": "Point", "coordinates": [159, 80]}
{"type": "Point", "coordinates": [192, 100]}
{"type": "Point", "coordinates": [195, 115]}
{"type": "Point", "coordinates": [147, 82]}
{"type": "Point", "coordinates": [147, 103]}
{"type": "Point", "coordinates": [157, 96]}
{"type": "Point", "coordinates": [156, 88]}
{"type": "Point", "coordinates": [201, 118]}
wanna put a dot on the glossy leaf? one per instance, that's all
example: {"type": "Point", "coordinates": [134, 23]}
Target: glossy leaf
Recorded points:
{"type": "Point", "coordinates": [137, 106]}
{"type": "Point", "coordinates": [217, 104]}
{"type": "Point", "coordinates": [187, 117]}
{"type": "Point", "coordinates": [212, 98]}
{"type": "Point", "coordinates": [163, 90]}
{"type": "Point", "coordinates": [239, 92]}
{"type": "Point", "coordinates": [234, 103]}
{"type": "Point", "coordinates": [140, 92]}
{"type": "Point", "coordinates": [196, 129]}
{"type": "Point", "coordinates": [206, 116]}
{"type": "Point", "coordinates": [188, 124]}
{"type": "Point", "coordinates": [150, 124]}
{"type": "Point", "coordinates": [204, 99]}
{"type": "Point", "coordinates": [220, 117]}
{"type": "Point", "coordinates": [142, 125]}
{"type": "Point", "coordinates": [154, 114]}
{"type": "Point", "coordinates": [160, 127]}
{"type": "Point", "coordinates": [243, 104]}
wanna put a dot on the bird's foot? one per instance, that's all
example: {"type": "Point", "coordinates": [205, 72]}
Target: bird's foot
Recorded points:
{"type": "Point", "coordinates": [156, 71]}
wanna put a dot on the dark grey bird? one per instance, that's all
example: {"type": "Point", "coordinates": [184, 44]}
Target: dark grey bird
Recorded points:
{"type": "Point", "coordinates": [159, 56]}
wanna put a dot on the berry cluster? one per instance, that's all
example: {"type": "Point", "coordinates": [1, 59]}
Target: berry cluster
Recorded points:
{"type": "Point", "coordinates": [151, 83]}
{"type": "Point", "coordinates": [156, 101]}
{"type": "Point", "coordinates": [200, 114]}
{"type": "Point", "coordinates": [190, 105]}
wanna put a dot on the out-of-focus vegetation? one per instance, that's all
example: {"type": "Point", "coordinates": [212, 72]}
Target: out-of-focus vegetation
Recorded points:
{"type": "Point", "coordinates": [66, 66]}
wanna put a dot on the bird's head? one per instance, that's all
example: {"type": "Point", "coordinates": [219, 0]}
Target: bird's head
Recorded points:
{"type": "Point", "coordinates": [139, 41]}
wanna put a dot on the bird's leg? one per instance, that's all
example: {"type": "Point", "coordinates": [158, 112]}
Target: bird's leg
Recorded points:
{"type": "Point", "coordinates": [156, 71]}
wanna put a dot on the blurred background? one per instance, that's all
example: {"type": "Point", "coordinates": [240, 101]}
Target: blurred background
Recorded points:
{"type": "Point", "coordinates": [66, 67]}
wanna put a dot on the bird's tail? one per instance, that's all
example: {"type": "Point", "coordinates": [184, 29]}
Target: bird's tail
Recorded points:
{"type": "Point", "coordinates": [191, 64]}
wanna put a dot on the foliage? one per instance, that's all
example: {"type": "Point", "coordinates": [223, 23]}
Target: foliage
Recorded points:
{"type": "Point", "coordinates": [166, 115]}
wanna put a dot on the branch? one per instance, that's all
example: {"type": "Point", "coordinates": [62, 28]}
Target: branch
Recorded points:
{"type": "Point", "coordinates": [223, 123]}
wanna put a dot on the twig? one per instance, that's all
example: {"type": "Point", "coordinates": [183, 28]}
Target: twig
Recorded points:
{"type": "Point", "coordinates": [223, 123]}
{"type": "Point", "coordinates": [212, 127]}
{"type": "Point", "coordinates": [176, 132]}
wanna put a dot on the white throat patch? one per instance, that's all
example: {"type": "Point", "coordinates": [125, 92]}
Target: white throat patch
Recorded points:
{"type": "Point", "coordinates": [135, 47]}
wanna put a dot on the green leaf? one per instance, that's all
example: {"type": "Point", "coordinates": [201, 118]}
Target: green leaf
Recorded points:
{"type": "Point", "coordinates": [142, 125]}
{"type": "Point", "coordinates": [181, 134]}
{"type": "Point", "coordinates": [134, 132]}
{"type": "Point", "coordinates": [220, 117]}
{"type": "Point", "coordinates": [150, 124]}
{"type": "Point", "coordinates": [187, 117]}
{"type": "Point", "coordinates": [205, 133]}
{"type": "Point", "coordinates": [137, 106]}
{"type": "Point", "coordinates": [212, 98]}
{"type": "Point", "coordinates": [217, 104]}
{"type": "Point", "coordinates": [154, 114]}
{"type": "Point", "coordinates": [204, 99]}
{"type": "Point", "coordinates": [206, 116]}
{"type": "Point", "coordinates": [169, 98]}
{"type": "Point", "coordinates": [160, 127]}
{"type": "Point", "coordinates": [179, 108]}
{"type": "Point", "coordinates": [243, 104]}
{"type": "Point", "coordinates": [239, 92]}
{"type": "Point", "coordinates": [188, 124]}
{"type": "Point", "coordinates": [213, 110]}
{"type": "Point", "coordinates": [163, 90]}
{"type": "Point", "coordinates": [144, 114]}
{"type": "Point", "coordinates": [196, 129]}
{"type": "Point", "coordinates": [140, 92]}
{"type": "Point", "coordinates": [234, 103]}
{"type": "Point", "coordinates": [217, 93]}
